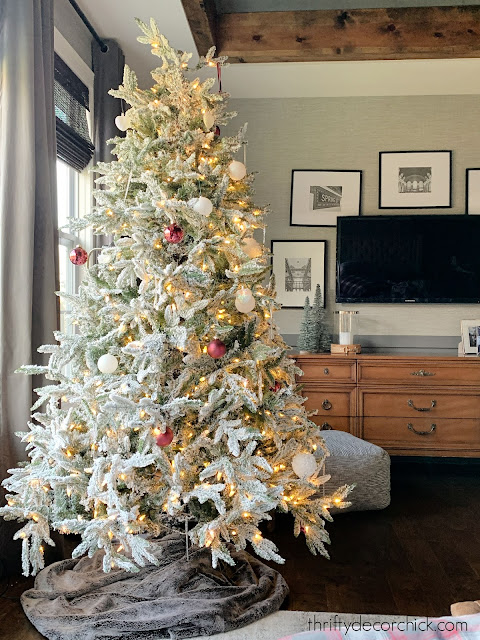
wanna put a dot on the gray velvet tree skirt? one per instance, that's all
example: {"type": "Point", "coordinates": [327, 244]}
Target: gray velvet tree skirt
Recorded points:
{"type": "Point", "coordinates": [74, 599]}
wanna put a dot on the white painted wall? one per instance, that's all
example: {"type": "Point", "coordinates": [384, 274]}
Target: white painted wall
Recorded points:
{"type": "Point", "coordinates": [348, 133]}
{"type": "Point", "coordinates": [456, 76]}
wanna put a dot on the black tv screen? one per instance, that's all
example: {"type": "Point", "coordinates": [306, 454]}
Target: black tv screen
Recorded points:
{"type": "Point", "coordinates": [404, 258]}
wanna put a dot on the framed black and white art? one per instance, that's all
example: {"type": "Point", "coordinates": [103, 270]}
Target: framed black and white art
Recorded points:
{"type": "Point", "coordinates": [472, 191]}
{"type": "Point", "coordinates": [415, 180]}
{"type": "Point", "coordinates": [319, 196]}
{"type": "Point", "coordinates": [298, 266]}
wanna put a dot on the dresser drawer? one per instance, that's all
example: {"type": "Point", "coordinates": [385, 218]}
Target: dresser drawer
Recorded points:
{"type": "Point", "coordinates": [422, 433]}
{"type": "Point", "coordinates": [339, 423]}
{"type": "Point", "coordinates": [462, 373]}
{"type": "Point", "coordinates": [329, 401]}
{"type": "Point", "coordinates": [425, 404]}
{"type": "Point", "coordinates": [328, 370]}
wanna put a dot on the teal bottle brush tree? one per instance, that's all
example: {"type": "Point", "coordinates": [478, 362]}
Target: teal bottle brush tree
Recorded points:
{"type": "Point", "coordinates": [174, 397]}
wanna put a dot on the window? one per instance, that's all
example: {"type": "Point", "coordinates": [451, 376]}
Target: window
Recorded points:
{"type": "Point", "coordinates": [67, 207]}
{"type": "Point", "coordinates": [73, 101]}
{"type": "Point", "coordinates": [72, 105]}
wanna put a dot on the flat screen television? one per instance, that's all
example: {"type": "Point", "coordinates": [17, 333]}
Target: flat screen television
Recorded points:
{"type": "Point", "coordinates": [408, 258]}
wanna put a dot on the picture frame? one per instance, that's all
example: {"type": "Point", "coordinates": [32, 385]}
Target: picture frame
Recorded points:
{"type": "Point", "coordinates": [319, 196]}
{"type": "Point", "coordinates": [298, 266]}
{"type": "Point", "coordinates": [470, 335]}
{"type": "Point", "coordinates": [415, 180]}
{"type": "Point", "coordinates": [472, 192]}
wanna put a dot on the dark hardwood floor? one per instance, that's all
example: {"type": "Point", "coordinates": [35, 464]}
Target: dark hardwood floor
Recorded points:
{"type": "Point", "coordinates": [417, 557]}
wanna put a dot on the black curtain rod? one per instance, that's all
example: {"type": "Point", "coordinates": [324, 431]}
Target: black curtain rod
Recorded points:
{"type": "Point", "coordinates": [84, 19]}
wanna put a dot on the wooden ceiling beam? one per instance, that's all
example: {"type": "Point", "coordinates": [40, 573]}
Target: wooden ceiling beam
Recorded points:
{"type": "Point", "coordinates": [356, 34]}
{"type": "Point", "coordinates": [202, 18]}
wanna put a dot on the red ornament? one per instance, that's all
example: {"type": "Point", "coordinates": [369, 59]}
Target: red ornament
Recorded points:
{"type": "Point", "coordinates": [217, 132]}
{"type": "Point", "coordinates": [173, 233]}
{"type": "Point", "coordinates": [276, 387]}
{"type": "Point", "coordinates": [164, 439]}
{"type": "Point", "coordinates": [216, 349]}
{"type": "Point", "coordinates": [78, 256]}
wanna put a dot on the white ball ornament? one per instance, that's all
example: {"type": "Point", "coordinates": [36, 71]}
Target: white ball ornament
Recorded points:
{"type": "Point", "coordinates": [244, 300]}
{"type": "Point", "coordinates": [203, 206]}
{"type": "Point", "coordinates": [304, 464]}
{"type": "Point", "coordinates": [208, 119]}
{"type": "Point", "coordinates": [251, 247]}
{"type": "Point", "coordinates": [245, 307]}
{"type": "Point", "coordinates": [124, 121]}
{"type": "Point", "coordinates": [244, 294]}
{"type": "Point", "coordinates": [237, 170]}
{"type": "Point", "coordinates": [121, 122]}
{"type": "Point", "coordinates": [107, 363]}
{"type": "Point", "coordinates": [104, 258]}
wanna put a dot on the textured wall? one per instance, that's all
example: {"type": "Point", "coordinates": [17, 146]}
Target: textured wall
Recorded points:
{"type": "Point", "coordinates": [348, 133]}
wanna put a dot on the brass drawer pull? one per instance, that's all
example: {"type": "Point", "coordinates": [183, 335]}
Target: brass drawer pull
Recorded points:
{"type": "Point", "coordinates": [412, 405]}
{"type": "Point", "coordinates": [327, 405]}
{"type": "Point", "coordinates": [326, 371]}
{"type": "Point", "coordinates": [422, 373]}
{"type": "Point", "coordinates": [422, 433]}
{"type": "Point", "coordinates": [326, 427]}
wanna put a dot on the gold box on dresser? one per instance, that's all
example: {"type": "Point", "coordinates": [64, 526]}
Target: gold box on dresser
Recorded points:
{"type": "Point", "coordinates": [409, 405]}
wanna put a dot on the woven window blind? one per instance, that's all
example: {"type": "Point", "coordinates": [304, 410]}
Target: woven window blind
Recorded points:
{"type": "Point", "coordinates": [74, 145]}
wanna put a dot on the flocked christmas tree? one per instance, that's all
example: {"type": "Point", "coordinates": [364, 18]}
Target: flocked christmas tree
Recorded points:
{"type": "Point", "coordinates": [175, 397]}
{"type": "Point", "coordinates": [322, 333]}
{"type": "Point", "coordinates": [307, 335]}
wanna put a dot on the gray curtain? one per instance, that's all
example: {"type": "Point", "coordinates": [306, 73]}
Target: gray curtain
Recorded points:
{"type": "Point", "coordinates": [108, 70]}
{"type": "Point", "coordinates": [28, 237]}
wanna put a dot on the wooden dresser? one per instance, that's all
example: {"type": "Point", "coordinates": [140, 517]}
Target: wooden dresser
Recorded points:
{"type": "Point", "coordinates": [409, 405]}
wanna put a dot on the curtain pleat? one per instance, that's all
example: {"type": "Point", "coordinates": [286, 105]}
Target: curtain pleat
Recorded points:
{"type": "Point", "coordinates": [28, 236]}
{"type": "Point", "coordinates": [108, 70]}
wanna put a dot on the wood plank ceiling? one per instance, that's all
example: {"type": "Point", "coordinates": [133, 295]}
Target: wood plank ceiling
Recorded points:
{"type": "Point", "coordinates": [343, 34]}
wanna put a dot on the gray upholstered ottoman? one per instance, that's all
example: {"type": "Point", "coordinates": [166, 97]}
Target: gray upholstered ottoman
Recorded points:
{"type": "Point", "coordinates": [355, 461]}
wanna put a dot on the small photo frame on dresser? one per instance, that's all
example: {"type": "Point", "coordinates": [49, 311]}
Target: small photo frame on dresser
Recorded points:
{"type": "Point", "coordinates": [471, 336]}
